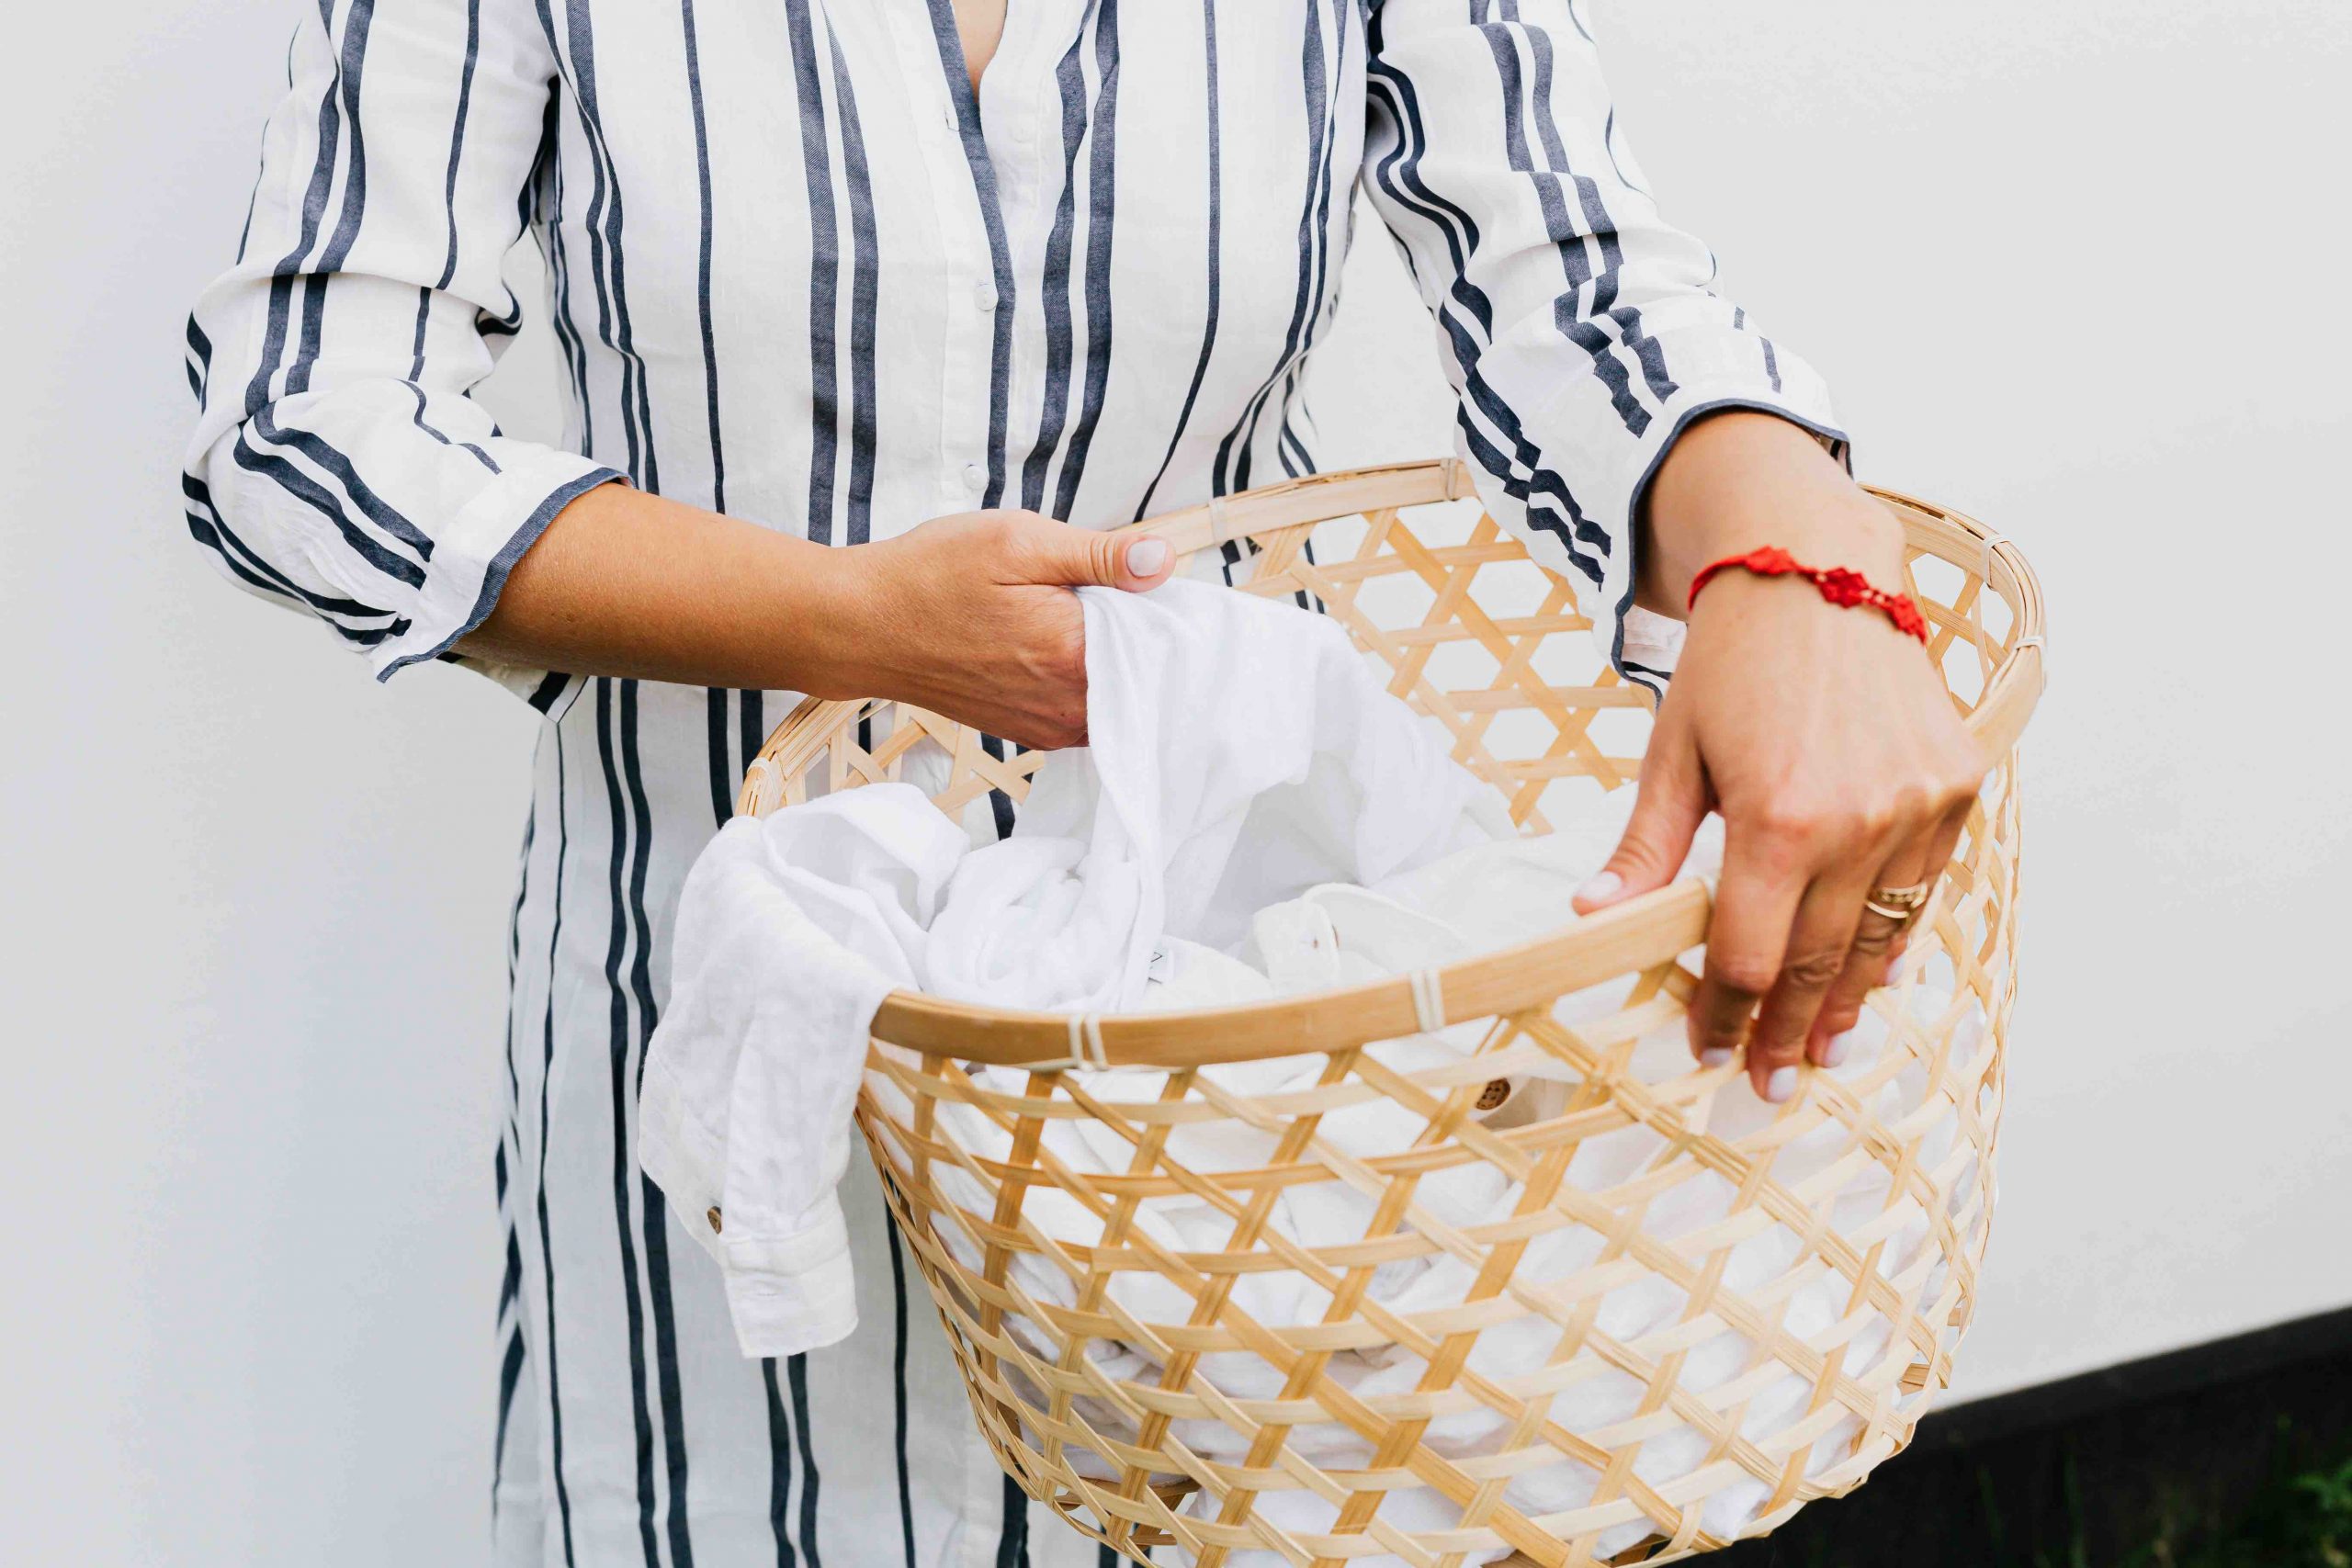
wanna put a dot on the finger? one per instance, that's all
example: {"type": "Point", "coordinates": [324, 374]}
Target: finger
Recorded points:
{"type": "Point", "coordinates": [1668, 805]}
{"type": "Point", "coordinates": [1146, 563]}
{"type": "Point", "coordinates": [1877, 940]}
{"type": "Point", "coordinates": [1880, 940]}
{"type": "Point", "coordinates": [1755, 907]}
{"type": "Point", "coordinates": [1082, 557]}
{"type": "Point", "coordinates": [1820, 941]}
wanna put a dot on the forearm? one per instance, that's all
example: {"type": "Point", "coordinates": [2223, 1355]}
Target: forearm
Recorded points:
{"type": "Point", "coordinates": [973, 617]}
{"type": "Point", "coordinates": [627, 583]}
{"type": "Point", "coordinates": [1741, 479]}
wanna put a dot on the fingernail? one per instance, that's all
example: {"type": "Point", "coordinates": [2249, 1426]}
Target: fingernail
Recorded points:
{"type": "Point", "coordinates": [1715, 1056]}
{"type": "Point", "coordinates": [1781, 1085]}
{"type": "Point", "coordinates": [1601, 888]}
{"type": "Point", "coordinates": [1146, 557]}
{"type": "Point", "coordinates": [1836, 1052]}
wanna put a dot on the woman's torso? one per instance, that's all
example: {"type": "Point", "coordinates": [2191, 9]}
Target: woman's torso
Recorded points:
{"type": "Point", "coordinates": [799, 278]}
{"type": "Point", "coordinates": [800, 274]}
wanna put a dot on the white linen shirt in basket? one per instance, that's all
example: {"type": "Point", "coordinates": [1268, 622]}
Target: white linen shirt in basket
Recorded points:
{"type": "Point", "coordinates": [800, 272]}
{"type": "Point", "coordinates": [1175, 825]}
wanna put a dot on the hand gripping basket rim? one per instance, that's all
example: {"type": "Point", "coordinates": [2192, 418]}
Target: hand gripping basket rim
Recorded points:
{"type": "Point", "coordinates": [1670, 920]}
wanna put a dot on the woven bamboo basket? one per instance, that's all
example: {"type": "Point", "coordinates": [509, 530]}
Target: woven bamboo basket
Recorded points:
{"type": "Point", "coordinates": [1104, 1412]}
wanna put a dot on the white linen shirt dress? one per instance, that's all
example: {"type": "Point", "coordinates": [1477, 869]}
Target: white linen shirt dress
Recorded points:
{"type": "Point", "coordinates": [800, 272]}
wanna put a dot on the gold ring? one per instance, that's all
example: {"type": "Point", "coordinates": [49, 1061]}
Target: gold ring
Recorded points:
{"type": "Point", "coordinates": [1901, 905]}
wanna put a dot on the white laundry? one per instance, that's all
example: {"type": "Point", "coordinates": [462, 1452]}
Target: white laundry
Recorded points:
{"type": "Point", "coordinates": [1314, 837]}
{"type": "Point", "coordinates": [1473, 901]}
{"type": "Point", "coordinates": [791, 929]}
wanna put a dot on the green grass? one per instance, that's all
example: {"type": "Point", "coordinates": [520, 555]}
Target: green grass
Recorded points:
{"type": "Point", "coordinates": [2299, 1521]}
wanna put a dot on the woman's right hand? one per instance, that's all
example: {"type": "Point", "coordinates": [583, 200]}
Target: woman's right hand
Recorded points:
{"type": "Point", "coordinates": [974, 616]}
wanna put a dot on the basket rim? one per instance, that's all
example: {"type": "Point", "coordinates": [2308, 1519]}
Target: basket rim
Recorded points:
{"type": "Point", "coordinates": [1643, 931]}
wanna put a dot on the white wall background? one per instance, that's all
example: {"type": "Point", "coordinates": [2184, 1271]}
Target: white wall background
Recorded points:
{"type": "Point", "coordinates": [2076, 269]}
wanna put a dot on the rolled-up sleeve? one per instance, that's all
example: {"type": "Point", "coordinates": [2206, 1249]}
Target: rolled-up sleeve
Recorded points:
{"type": "Point", "coordinates": [1580, 330]}
{"type": "Point", "coordinates": [338, 465]}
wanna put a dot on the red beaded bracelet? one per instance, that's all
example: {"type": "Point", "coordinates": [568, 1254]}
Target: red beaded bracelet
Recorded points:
{"type": "Point", "coordinates": [1842, 587]}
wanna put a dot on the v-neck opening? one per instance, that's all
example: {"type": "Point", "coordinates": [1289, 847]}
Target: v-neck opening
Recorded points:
{"type": "Point", "coordinates": [970, 129]}
{"type": "Point", "coordinates": [958, 65]}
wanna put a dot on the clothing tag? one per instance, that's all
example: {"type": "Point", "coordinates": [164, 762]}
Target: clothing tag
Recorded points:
{"type": "Point", "coordinates": [1162, 966]}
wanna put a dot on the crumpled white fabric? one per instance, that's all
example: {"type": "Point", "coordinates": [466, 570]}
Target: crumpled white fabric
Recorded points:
{"type": "Point", "coordinates": [1241, 752]}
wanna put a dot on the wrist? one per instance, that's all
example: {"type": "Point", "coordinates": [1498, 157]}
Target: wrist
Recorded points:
{"type": "Point", "coordinates": [1850, 531]}
{"type": "Point", "coordinates": [834, 592]}
{"type": "Point", "coordinates": [1741, 480]}
{"type": "Point", "coordinates": [1839, 587]}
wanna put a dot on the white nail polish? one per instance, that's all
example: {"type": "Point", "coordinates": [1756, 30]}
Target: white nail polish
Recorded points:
{"type": "Point", "coordinates": [1146, 557]}
{"type": "Point", "coordinates": [1715, 1056]}
{"type": "Point", "coordinates": [1840, 1047]}
{"type": "Point", "coordinates": [1781, 1085]}
{"type": "Point", "coordinates": [1600, 889]}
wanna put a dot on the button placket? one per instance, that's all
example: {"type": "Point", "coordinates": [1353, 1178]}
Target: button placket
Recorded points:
{"type": "Point", "coordinates": [965, 344]}
{"type": "Point", "coordinates": [965, 270]}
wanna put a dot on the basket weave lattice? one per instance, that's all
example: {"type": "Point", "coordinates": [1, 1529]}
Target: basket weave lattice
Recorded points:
{"type": "Point", "coordinates": [1475, 634]}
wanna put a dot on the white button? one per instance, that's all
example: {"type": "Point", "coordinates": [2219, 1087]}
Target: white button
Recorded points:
{"type": "Point", "coordinates": [984, 297]}
{"type": "Point", "coordinates": [976, 478]}
{"type": "Point", "coordinates": [947, 117]}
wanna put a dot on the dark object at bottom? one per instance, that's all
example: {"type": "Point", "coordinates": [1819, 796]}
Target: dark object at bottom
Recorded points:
{"type": "Point", "coordinates": [2236, 1453]}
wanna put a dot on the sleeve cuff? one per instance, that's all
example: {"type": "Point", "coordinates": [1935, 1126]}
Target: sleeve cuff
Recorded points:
{"type": "Point", "coordinates": [786, 1295]}
{"type": "Point", "coordinates": [792, 1295]}
{"type": "Point", "coordinates": [472, 556]}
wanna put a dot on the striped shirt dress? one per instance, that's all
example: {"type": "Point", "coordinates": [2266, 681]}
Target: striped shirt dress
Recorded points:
{"type": "Point", "coordinates": [798, 271]}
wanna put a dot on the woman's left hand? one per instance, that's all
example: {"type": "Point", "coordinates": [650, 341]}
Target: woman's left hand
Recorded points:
{"type": "Point", "coordinates": [1823, 736]}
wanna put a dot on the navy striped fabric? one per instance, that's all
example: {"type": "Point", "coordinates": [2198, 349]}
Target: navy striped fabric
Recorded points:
{"type": "Point", "coordinates": [799, 271]}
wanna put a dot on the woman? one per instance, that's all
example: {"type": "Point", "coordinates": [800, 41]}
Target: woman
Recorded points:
{"type": "Point", "coordinates": [854, 299]}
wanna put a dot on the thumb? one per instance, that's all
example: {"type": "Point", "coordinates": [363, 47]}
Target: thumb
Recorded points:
{"type": "Point", "coordinates": [1670, 804]}
{"type": "Point", "coordinates": [1083, 557]}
